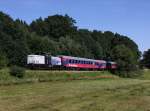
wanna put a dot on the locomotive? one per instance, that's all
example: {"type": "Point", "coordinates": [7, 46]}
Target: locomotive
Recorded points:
{"type": "Point", "coordinates": [68, 62]}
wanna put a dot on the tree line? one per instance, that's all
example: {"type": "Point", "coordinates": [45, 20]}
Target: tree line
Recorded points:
{"type": "Point", "coordinates": [59, 35]}
{"type": "Point", "coordinates": [145, 61]}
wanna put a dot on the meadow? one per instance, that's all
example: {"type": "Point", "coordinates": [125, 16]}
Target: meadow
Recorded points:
{"type": "Point", "coordinates": [74, 91]}
{"type": "Point", "coordinates": [32, 76]}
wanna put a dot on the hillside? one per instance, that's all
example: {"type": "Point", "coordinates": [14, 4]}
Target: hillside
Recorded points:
{"type": "Point", "coordinates": [59, 35]}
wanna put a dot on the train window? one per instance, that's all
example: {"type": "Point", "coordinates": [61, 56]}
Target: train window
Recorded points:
{"type": "Point", "coordinates": [70, 61]}
{"type": "Point", "coordinates": [76, 61]}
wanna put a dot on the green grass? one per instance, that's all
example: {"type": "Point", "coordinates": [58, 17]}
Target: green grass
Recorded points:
{"type": "Point", "coordinates": [81, 95]}
{"type": "Point", "coordinates": [87, 91]}
{"type": "Point", "coordinates": [45, 76]}
{"type": "Point", "coordinates": [146, 75]}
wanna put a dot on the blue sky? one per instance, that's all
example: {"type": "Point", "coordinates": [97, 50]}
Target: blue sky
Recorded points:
{"type": "Point", "coordinates": [127, 17]}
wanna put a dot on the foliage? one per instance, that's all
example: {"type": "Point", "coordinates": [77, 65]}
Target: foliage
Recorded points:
{"type": "Point", "coordinates": [54, 26]}
{"type": "Point", "coordinates": [3, 60]}
{"type": "Point", "coordinates": [146, 59]}
{"type": "Point", "coordinates": [17, 71]}
{"type": "Point", "coordinates": [125, 60]}
{"type": "Point", "coordinates": [57, 35]}
{"type": "Point", "coordinates": [32, 76]}
{"type": "Point", "coordinates": [13, 39]}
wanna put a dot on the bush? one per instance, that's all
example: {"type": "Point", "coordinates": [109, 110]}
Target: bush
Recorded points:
{"type": "Point", "coordinates": [17, 71]}
{"type": "Point", "coordinates": [126, 61]}
{"type": "Point", "coordinates": [3, 60]}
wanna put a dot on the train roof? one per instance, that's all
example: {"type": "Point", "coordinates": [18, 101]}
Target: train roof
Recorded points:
{"type": "Point", "coordinates": [33, 55]}
{"type": "Point", "coordinates": [79, 58]}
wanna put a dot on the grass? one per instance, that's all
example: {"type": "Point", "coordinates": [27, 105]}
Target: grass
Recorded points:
{"type": "Point", "coordinates": [32, 76]}
{"type": "Point", "coordinates": [88, 91]}
{"type": "Point", "coordinates": [81, 95]}
{"type": "Point", "coordinates": [146, 75]}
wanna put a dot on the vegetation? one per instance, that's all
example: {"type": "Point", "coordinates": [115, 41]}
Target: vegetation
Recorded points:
{"type": "Point", "coordinates": [145, 75]}
{"type": "Point", "coordinates": [89, 95]}
{"type": "Point", "coordinates": [58, 35]}
{"type": "Point", "coordinates": [73, 91]}
{"type": "Point", "coordinates": [68, 91]}
{"type": "Point", "coordinates": [3, 60]}
{"type": "Point", "coordinates": [31, 76]}
{"type": "Point", "coordinates": [145, 62]}
{"type": "Point", "coordinates": [17, 71]}
{"type": "Point", "coordinates": [125, 60]}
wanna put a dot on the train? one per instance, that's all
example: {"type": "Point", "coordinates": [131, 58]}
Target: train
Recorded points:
{"type": "Point", "coordinates": [68, 63]}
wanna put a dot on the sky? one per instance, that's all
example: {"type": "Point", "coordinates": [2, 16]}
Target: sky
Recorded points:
{"type": "Point", "coordinates": [126, 17]}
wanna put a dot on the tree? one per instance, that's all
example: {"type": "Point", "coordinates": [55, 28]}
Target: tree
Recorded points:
{"type": "Point", "coordinates": [146, 59]}
{"type": "Point", "coordinates": [68, 46]}
{"type": "Point", "coordinates": [58, 34]}
{"type": "Point", "coordinates": [54, 26]}
{"type": "Point", "coordinates": [39, 45]}
{"type": "Point", "coordinates": [13, 39]}
{"type": "Point", "coordinates": [3, 60]}
{"type": "Point", "coordinates": [125, 59]}
{"type": "Point", "coordinates": [120, 39]}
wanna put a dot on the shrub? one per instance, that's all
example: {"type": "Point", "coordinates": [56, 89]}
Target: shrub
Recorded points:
{"type": "Point", "coordinates": [3, 60]}
{"type": "Point", "coordinates": [17, 71]}
{"type": "Point", "coordinates": [126, 61]}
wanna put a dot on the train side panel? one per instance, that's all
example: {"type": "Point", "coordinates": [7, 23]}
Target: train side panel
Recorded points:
{"type": "Point", "coordinates": [61, 62]}
{"type": "Point", "coordinates": [75, 62]}
{"type": "Point", "coordinates": [37, 61]}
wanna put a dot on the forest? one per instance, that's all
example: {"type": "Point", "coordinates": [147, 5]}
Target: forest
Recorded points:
{"type": "Point", "coordinates": [59, 35]}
